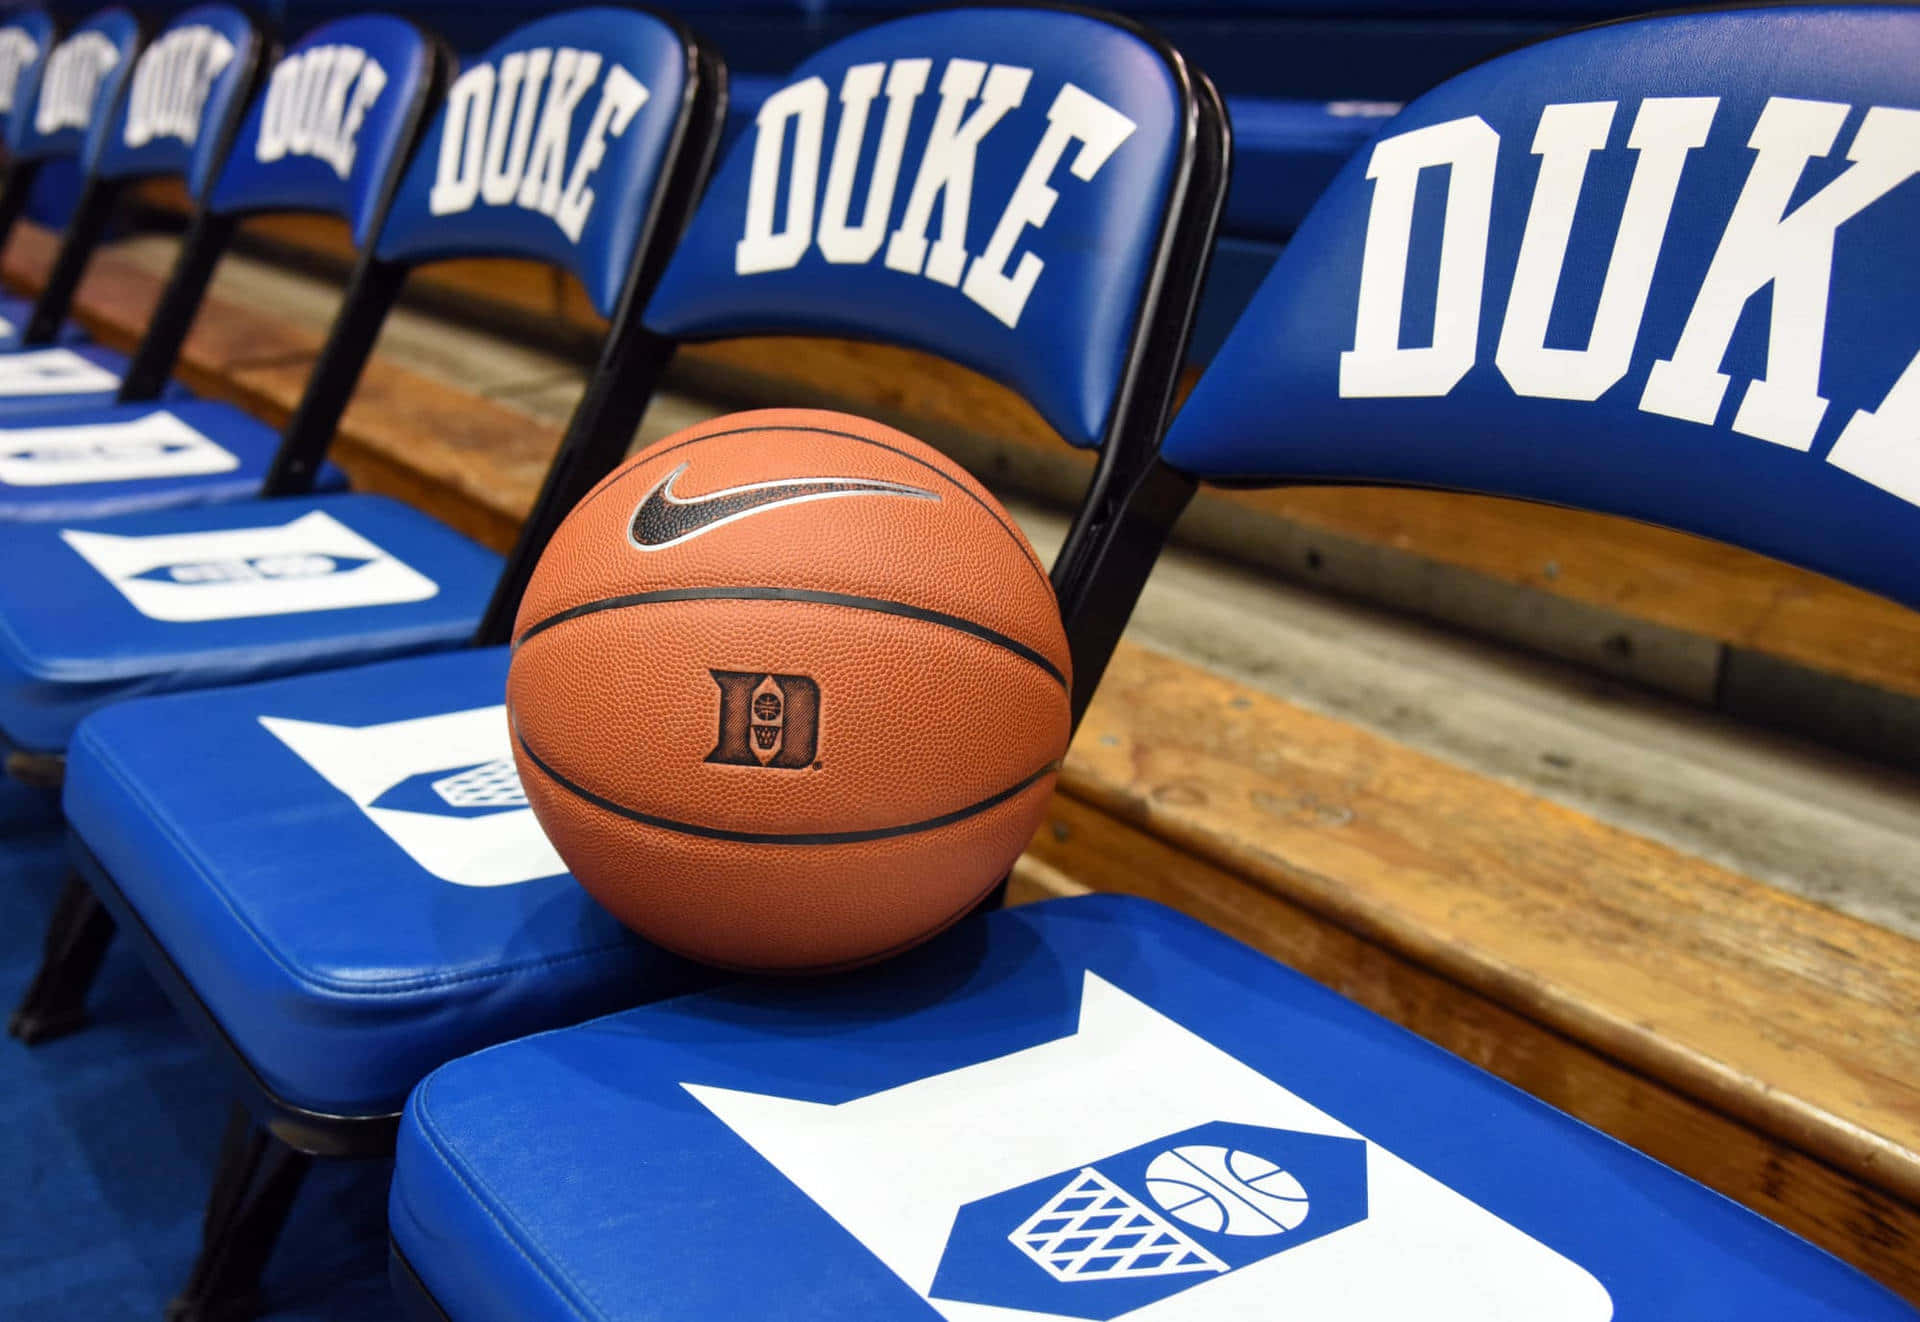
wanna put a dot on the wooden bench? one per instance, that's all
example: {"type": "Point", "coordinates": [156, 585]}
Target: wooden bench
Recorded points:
{"type": "Point", "coordinates": [1762, 1044]}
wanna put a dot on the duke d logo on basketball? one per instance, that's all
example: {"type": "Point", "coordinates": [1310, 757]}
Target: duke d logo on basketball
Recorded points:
{"type": "Point", "coordinates": [766, 720]}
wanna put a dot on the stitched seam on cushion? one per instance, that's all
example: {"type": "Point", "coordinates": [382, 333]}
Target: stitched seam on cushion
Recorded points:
{"type": "Point", "coordinates": [516, 1232]}
{"type": "Point", "coordinates": [385, 987]}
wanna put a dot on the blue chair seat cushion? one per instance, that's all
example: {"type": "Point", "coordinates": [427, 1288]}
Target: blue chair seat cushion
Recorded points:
{"type": "Point", "coordinates": [1071, 1110]}
{"type": "Point", "coordinates": [97, 462]}
{"type": "Point", "coordinates": [62, 377]}
{"type": "Point", "coordinates": [165, 600]}
{"type": "Point", "coordinates": [343, 867]}
{"type": "Point", "coordinates": [15, 312]}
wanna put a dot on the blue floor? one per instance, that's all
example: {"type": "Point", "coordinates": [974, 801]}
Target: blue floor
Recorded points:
{"type": "Point", "coordinates": [107, 1145]}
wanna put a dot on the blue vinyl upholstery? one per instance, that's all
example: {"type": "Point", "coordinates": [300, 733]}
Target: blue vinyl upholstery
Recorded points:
{"type": "Point", "coordinates": [323, 135]}
{"type": "Point", "coordinates": [174, 599]}
{"type": "Point", "coordinates": [1028, 266]}
{"type": "Point", "coordinates": [1457, 312]}
{"type": "Point", "coordinates": [183, 99]}
{"type": "Point", "coordinates": [14, 311]}
{"type": "Point", "coordinates": [61, 377]}
{"type": "Point", "coordinates": [82, 463]}
{"type": "Point", "coordinates": [917, 1141]}
{"type": "Point", "coordinates": [25, 39]}
{"type": "Point", "coordinates": [344, 867]}
{"type": "Point", "coordinates": [542, 151]}
{"type": "Point", "coordinates": [76, 87]}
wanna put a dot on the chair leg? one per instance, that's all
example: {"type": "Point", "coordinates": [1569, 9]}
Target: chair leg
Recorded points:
{"type": "Point", "coordinates": [77, 937]}
{"type": "Point", "coordinates": [253, 1191]}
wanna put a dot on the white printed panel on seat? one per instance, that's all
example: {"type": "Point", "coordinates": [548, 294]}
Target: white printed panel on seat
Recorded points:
{"type": "Point", "coordinates": [314, 563]}
{"type": "Point", "coordinates": [53, 372]}
{"type": "Point", "coordinates": [1134, 1169]}
{"type": "Point", "coordinates": [153, 445]}
{"type": "Point", "coordinates": [443, 788]}
{"type": "Point", "coordinates": [6, 327]}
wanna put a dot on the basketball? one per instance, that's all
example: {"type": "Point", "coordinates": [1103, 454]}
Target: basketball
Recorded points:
{"type": "Point", "coordinates": [789, 691]}
{"type": "Point", "coordinates": [1227, 1192]}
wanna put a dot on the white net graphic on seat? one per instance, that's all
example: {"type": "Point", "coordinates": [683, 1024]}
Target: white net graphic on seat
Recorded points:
{"type": "Point", "coordinates": [1093, 1230]}
{"type": "Point", "coordinates": [494, 784]}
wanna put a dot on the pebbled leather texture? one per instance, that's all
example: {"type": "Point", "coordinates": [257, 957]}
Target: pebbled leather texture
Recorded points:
{"type": "Point", "coordinates": [829, 709]}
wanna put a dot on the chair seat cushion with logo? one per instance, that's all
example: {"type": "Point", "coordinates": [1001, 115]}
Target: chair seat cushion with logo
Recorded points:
{"type": "Point", "coordinates": [92, 463]}
{"type": "Point", "coordinates": [62, 377]}
{"type": "Point", "coordinates": [93, 612]}
{"type": "Point", "coordinates": [345, 869]}
{"type": "Point", "coordinates": [15, 312]}
{"type": "Point", "coordinates": [1074, 1109]}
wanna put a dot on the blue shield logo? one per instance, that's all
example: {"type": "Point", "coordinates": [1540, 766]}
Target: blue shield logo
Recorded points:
{"type": "Point", "coordinates": [1133, 1228]}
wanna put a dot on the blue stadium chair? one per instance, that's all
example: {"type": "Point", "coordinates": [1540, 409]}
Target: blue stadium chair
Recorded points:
{"type": "Point", "coordinates": [53, 90]}
{"type": "Point", "coordinates": [339, 872]}
{"type": "Point", "coordinates": [1540, 282]}
{"type": "Point", "coordinates": [25, 38]}
{"type": "Point", "coordinates": [172, 117]}
{"type": "Point", "coordinates": [328, 1018]}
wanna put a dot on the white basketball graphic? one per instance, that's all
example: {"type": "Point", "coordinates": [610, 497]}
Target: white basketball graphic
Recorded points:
{"type": "Point", "coordinates": [1230, 1192]}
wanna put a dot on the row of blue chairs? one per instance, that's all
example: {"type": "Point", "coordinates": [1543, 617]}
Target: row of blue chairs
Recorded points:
{"type": "Point", "coordinates": [1656, 268]}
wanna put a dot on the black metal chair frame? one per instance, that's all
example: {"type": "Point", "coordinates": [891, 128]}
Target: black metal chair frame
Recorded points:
{"type": "Point", "coordinates": [270, 1142]}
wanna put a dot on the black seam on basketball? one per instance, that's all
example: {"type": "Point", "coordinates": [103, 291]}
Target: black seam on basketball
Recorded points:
{"type": "Point", "coordinates": [804, 595]}
{"type": "Point", "coordinates": [1019, 541]}
{"type": "Point", "coordinates": [776, 838]}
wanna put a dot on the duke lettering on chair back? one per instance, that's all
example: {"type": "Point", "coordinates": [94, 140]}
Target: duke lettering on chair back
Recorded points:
{"type": "Point", "coordinates": [25, 40]}
{"type": "Point", "coordinates": [1663, 269]}
{"type": "Point", "coordinates": [550, 147]}
{"type": "Point", "coordinates": [78, 82]}
{"type": "Point", "coordinates": [183, 99]}
{"type": "Point", "coordinates": [323, 135]}
{"type": "Point", "coordinates": [988, 185]}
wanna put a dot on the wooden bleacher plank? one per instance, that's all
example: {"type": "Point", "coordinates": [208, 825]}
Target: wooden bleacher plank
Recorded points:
{"type": "Point", "coordinates": [1782, 1013]}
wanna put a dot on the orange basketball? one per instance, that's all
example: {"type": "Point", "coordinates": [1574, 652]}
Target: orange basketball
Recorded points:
{"type": "Point", "coordinates": [789, 691]}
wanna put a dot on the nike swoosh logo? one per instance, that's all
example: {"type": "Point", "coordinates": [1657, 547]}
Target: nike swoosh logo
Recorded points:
{"type": "Point", "coordinates": [664, 519]}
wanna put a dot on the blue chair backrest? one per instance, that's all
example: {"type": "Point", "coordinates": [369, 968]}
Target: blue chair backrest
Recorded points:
{"type": "Point", "coordinates": [991, 185]}
{"type": "Point", "coordinates": [550, 147]}
{"type": "Point", "coordinates": [183, 100]}
{"type": "Point", "coordinates": [78, 84]}
{"type": "Point", "coordinates": [329, 131]}
{"type": "Point", "coordinates": [25, 39]}
{"type": "Point", "coordinates": [1662, 269]}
